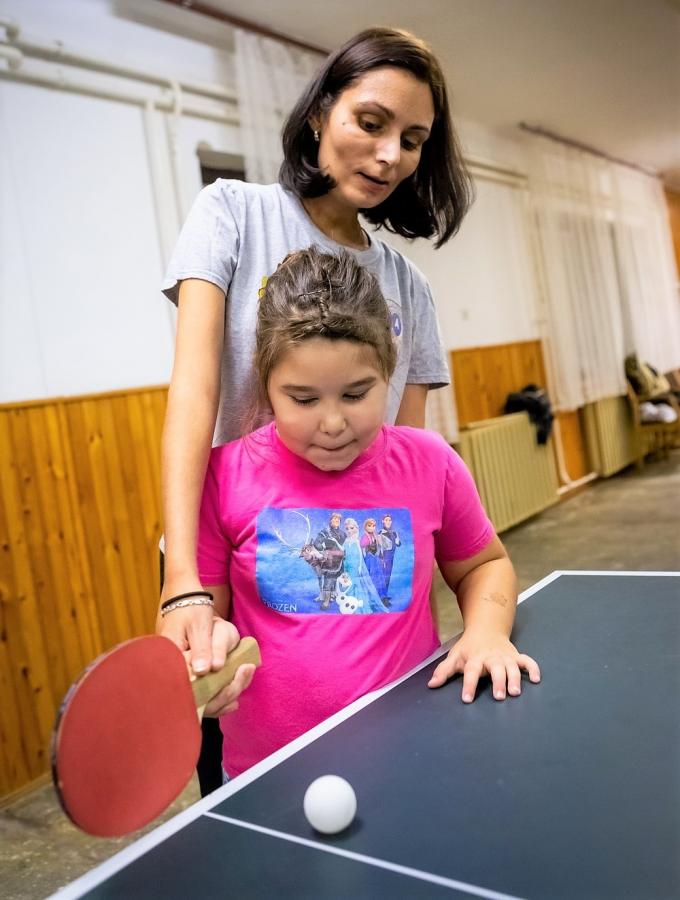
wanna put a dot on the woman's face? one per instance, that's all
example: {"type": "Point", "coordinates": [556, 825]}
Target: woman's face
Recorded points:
{"type": "Point", "coordinates": [370, 527]}
{"type": "Point", "coordinates": [371, 139]}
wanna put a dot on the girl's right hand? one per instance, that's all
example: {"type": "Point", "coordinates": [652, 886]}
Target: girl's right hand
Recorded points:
{"type": "Point", "coordinates": [227, 699]}
{"type": "Point", "coordinates": [224, 638]}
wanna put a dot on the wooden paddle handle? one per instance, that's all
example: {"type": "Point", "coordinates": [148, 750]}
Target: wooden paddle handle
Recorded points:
{"type": "Point", "coordinates": [206, 686]}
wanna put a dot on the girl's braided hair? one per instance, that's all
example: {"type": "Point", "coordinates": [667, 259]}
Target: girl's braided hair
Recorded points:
{"type": "Point", "coordinates": [317, 294]}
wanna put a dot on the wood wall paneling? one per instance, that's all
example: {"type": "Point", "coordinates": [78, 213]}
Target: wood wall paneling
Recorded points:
{"type": "Point", "coordinates": [27, 580]}
{"type": "Point", "coordinates": [574, 449]}
{"type": "Point", "coordinates": [80, 518]}
{"type": "Point", "coordinates": [14, 725]}
{"type": "Point", "coordinates": [484, 376]}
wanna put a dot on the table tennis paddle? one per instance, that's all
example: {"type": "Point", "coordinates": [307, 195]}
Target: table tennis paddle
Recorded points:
{"type": "Point", "coordinates": [127, 736]}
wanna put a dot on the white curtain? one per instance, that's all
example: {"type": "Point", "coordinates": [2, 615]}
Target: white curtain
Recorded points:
{"type": "Point", "coordinates": [648, 275]}
{"type": "Point", "coordinates": [582, 320]}
{"type": "Point", "coordinates": [607, 271]}
{"type": "Point", "coordinates": [270, 76]}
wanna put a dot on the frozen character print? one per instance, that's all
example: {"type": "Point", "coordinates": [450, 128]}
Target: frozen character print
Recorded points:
{"type": "Point", "coordinates": [372, 548]}
{"type": "Point", "coordinates": [391, 541]}
{"type": "Point", "coordinates": [347, 604]}
{"type": "Point", "coordinates": [329, 543]}
{"type": "Point", "coordinates": [355, 566]}
{"type": "Point", "coordinates": [324, 555]}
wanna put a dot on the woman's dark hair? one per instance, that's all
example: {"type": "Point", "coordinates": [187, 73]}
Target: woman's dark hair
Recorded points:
{"type": "Point", "coordinates": [432, 201]}
{"type": "Point", "coordinates": [316, 294]}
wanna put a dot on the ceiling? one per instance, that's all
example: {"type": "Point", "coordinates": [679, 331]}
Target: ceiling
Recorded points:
{"type": "Point", "coordinates": [602, 72]}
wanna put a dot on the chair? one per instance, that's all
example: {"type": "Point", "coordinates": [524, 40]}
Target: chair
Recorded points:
{"type": "Point", "coordinates": [653, 437]}
{"type": "Point", "coordinates": [674, 380]}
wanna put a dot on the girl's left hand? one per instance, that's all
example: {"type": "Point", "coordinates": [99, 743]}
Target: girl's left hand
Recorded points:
{"type": "Point", "coordinates": [480, 653]}
{"type": "Point", "coordinates": [224, 638]}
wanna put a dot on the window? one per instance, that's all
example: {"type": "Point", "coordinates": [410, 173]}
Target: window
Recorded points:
{"type": "Point", "coordinates": [215, 164]}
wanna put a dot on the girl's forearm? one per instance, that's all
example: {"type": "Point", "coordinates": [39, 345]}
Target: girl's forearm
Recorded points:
{"type": "Point", "coordinates": [487, 597]}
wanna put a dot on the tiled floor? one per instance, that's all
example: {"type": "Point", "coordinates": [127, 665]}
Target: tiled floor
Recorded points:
{"type": "Point", "coordinates": [631, 521]}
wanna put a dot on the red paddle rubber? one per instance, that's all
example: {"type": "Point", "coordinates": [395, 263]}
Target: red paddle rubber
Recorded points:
{"type": "Point", "coordinates": [127, 738]}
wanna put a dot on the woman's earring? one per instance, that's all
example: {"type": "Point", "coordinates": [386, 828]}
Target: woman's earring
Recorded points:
{"type": "Point", "coordinates": [316, 135]}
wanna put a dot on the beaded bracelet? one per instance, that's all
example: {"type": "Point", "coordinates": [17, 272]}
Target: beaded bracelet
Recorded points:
{"type": "Point", "coordinates": [191, 598]}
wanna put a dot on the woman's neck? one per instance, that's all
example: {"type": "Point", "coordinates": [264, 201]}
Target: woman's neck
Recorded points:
{"type": "Point", "coordinates": [339, 224]}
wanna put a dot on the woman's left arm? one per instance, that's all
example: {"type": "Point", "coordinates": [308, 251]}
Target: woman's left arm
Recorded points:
{"type": "Point", "coordinates": [412, 407]}
{"type": "Point", "coordinates": [486, 588]}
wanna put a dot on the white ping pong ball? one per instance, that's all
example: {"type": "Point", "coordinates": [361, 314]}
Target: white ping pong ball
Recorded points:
{"type": "Point", "coordinates": [330, 804]}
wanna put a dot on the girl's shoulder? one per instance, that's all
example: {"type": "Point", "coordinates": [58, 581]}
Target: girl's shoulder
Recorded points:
{"type": "Point", "coordinates": [224, 455]}
{"type": "Point", "coordinates": [427, 451]}
{"type": "Point", "coordinates": [260, 438]}
{"type": "Point", "coordinates": [427, 448]}
{"type": "Point", "coordinates": [422, 440]}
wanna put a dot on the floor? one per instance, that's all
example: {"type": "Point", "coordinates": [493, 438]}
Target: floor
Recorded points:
{"type": "Point", "coordinates": [629, 522]}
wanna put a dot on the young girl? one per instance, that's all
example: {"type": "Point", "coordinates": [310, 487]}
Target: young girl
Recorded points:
{"type": "Point", "coordinates": [371, 134]}
{"type": "Point", "coordinates": [324, 357]}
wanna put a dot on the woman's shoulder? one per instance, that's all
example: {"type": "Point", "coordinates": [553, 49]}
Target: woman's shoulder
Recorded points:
{"type": "Point", "coordinates": [404, 266]}
{"type": "Point", "coordinates": [232, 192]}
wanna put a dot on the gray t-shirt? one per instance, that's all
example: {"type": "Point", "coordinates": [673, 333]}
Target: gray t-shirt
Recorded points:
{"type": "Point", "coordinates": [235, 237]}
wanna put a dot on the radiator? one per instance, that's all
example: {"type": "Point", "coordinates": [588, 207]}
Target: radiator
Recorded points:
{"type": "Point", "coordinates": [515, 476]}
{"type": "Point", "coordinates": [610, 435]}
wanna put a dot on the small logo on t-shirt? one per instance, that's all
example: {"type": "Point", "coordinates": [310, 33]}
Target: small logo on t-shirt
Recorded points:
{"type": "Point", "coordinates": [396, 324]}
{"type": "Point", "coordinates": [335, 561]}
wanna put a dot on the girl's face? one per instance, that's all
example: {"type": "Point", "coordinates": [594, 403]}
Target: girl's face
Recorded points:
{"type": "Point", "coordinates": [351, 529]}
{"type": "Point", "coordinates": [328, 399]}
{"type": "Point", "coordinates": [369, 528]}
{"type": "Point", "coordinates": [372, 137]}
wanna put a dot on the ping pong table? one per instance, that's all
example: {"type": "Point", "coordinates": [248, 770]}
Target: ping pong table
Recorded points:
{"type": "Point", "coordinates": [571, 790]}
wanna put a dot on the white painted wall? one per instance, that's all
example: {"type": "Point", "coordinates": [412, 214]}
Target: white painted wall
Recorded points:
{"type": "Point", "coordinates": [482, 279]}
{"type": "Point", "coordinates": [82, 253]}
{"type": "Point", "coordinates": [82, 225]}
{"type": "Point", "coordinates": [83, 248]}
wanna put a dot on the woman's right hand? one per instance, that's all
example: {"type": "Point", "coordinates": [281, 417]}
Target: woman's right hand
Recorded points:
{"type": "Point", "coordinates": [191, 629]}
{"type": "Point", "coordinates": [203, 636]}
{"type": "Point", "coordinates": [202, 633]}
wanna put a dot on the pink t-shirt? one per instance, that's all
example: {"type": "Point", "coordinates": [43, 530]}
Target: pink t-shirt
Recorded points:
{"type": "Point", "coordinates": [334, 619]}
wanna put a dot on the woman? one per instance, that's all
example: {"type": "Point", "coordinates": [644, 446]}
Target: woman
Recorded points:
{"type": "Point", "coordinates": [372, 135]}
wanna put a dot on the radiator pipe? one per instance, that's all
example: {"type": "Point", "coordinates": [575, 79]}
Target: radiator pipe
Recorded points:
{"type": "Point", "coordinates": [56, 51]}
{"type": "Point", "coordinates": [79, 86]}
{"type": "Point", "coordinates": [13, 56]}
